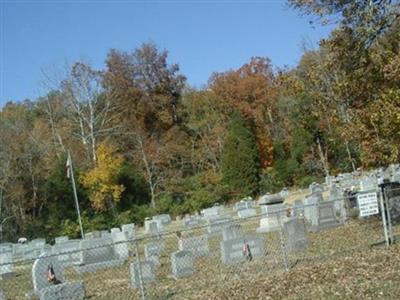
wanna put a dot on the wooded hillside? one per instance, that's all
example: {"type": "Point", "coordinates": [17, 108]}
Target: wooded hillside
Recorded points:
{"type": "Point", "coordinates": [143, 141]}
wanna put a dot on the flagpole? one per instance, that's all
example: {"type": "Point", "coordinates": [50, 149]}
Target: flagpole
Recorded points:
{"type": "Point", "coordinates": [71, 170]}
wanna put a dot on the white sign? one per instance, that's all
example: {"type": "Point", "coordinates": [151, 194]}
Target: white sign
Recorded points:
{"type": "Point", "coordinates": [368, 204]}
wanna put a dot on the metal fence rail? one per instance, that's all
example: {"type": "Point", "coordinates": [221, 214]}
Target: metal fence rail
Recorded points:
{"type": "Point", "coordinates": [184, 263]}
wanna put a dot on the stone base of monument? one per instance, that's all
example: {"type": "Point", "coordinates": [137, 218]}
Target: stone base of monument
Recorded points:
{"type": "Point", "coordinates": [63, 291]}
{"type": "Point", "coordinates": [99, 266]}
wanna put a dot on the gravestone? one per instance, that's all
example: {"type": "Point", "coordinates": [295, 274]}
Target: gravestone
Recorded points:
{"type": "Point", "coordinates": [232, 250]}
{"type": "Point", "coordinates": [61, 239]}
{"type": "Point", "coordinates": [28, 251]}
{"type": "Point", "coordinates": [49, 291]}
{"type": "Point", "coordinates": [129, 230]}
{"type": "Point", "coordinates": [273, 209]}
{"type": "Point", "coordinates": [395, 177]}
{"type": "Point", "coordinates": [115, 230]}
{"type": "Point", "coordinates": [298, 208]}
{"type": "Point", "coordinates": [105, 234]}
{"type": "Point", "coordinates": [213, 212]}
{"type": "Point", "coordinates": [152, 252]}
{"type": "Point", "coordinates": [232, 231]}
{"type": "Point", "coordinates": [190, 221]}
{"type": "Point", "coordinates": [38, 243]}
{"type": "Point", "coordinates": [152, 227]}
{"type": "Point", "coordinates": [270, 199]}
{"type": "Point", "coordinates": [121, 244]}
{"type": "Point", "coordinates": [247, 213]}
{"type": "Point", "coordinates": [242, 205]}
{"type": "Point", "coordinates": [6, 265]}
{"type": "Point", "coordinates": [97, 254]}
{"type": "Point", "coordinates": [182, 264]}
{"type": "Point", "coordinates": [89, 235]}
{"type": "Point", "coordinates": [6, 248]}
{"type": "Point", "coordinates": [284, 193]}
{"type": "Point", "coordinates": [295, 233]}
{"type": "Point", "coordinates": [67, 252]}
{"type": "Point", "coordinates": [316, 188]}
{"type": "Point", "coordinates": [272, 215]}
{"type": "Point", "coordinates": [93, 235]}
{"type": "Point", "coordinates": [144, 270]}
{"type": "Point", "coordinates": [326, 216]}
{"type": "Point", "coordinates": [311, 209]}
{"type": "Point", "coordinates": [164, 219]}
{"type": "Point", "coordinates": [215, 225]}
{"type": "Point", "coordinates": [198, 245]}
{"type": "Point", "coordinates": [339, 201]}
{"type": "Point", "coordinates": [368, 184]}
{"type": "Point", "coordinates": [268, 224]}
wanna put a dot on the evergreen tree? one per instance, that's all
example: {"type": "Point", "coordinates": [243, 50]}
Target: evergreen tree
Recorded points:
{"type": "Point", "coordinates": [240, 158]}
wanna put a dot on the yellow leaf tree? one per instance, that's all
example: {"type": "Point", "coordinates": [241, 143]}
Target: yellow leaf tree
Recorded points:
{"type": "Point", "coordinates": [102, 180]}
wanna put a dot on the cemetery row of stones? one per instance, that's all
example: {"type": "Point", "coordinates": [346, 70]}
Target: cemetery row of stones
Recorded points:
{"type": "Point", "coordinates": [103, 249]}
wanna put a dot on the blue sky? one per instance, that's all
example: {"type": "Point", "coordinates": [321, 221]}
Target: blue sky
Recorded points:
{"type": "Point", "coordinates": [201, 36]}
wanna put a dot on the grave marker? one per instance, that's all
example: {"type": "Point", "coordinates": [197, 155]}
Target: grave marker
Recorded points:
{"type": "Point", "coordinates": [232, 250]}
{"type": "Point", "coordinates": [247, 213]}
{"type": "Point", "coordinates": [181, 264]}
{"type": "Point", "coordinates": [198, 245]}
{"type": "Point", "coordinates": [6, 266]}
{"type": "Point", "coordinates": [295, 233]}
{"type": "Point", "coordinates": [97, 254]}
{"type": "Point", "coordinates": [232, 231]}
{"type": "Point", "coordinates": [45, 289]}
{"type": "Point", "coordinates": [146, 272]}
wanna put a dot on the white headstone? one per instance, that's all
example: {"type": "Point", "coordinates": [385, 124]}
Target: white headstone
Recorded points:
{"type": "Point", "coordinates": [165, 219]}
{"type": "Point", "coordinates": [47, 290]}
{"type": "Point", "coordinates": [97, 250]}
{"type": "Point", "coordinates": [121, 244]}
{"type": "Point", "coordinates": [143, 272]}
{"type": "Point", "coordinates": [68, 252]}
{"type": "Point", "coordinates": [182, 264]}
{"type": "Point", "coordinates": [232, 251]}
{"type": "Point", "coordinates": [115, 230]}
{"type": "Point", "coordinates": [215, 225]}
{"type": "Point", "coordinates": [295, 234]}
{"type": "Point", "coordinates": [6, 266]}
{"type": "Point", "coordinates": [311, 209]}
{"type": "Point", "coordinates": [152, 252]}
{"type": "Point", "coordinates": [247, 213]}
{"type": "Point", "coordinates": [232, 231]}
{"type": "Point", "coordinates": [61, 239]}
{"type": "Point", "coordinates": [40, 270]}
{"type": "Point", "coordinates": [198, 245]}
{"type": "Point", "coordinates": [326, 216]}
{"type": "Point", "coordinates": [152, 226]}
{"type": "Point", "coordinates": [129, 230]}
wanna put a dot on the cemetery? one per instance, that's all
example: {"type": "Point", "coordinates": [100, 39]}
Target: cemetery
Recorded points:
{"type": "Point", "coordinates": [222, 248]}
{"type": "Point", "coordinates": [198, 149]}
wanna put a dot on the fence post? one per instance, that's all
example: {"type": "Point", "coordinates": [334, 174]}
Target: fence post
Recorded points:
{"type": "Point", "coordinates": [283, 243]}
{"type": "Point", "coordinates": [383, 214]}
{"type": "Point", "coordinates": [389, 219]}
{"type": "Point", "coordinates": [141, 285]}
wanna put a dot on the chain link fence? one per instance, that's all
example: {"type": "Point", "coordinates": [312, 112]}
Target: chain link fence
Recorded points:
{"type": "Point", "coordinates": [185, 262]}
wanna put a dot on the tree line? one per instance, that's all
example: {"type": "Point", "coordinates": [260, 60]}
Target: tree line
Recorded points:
{"type": "Point", "coordinates": [143, 141]}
